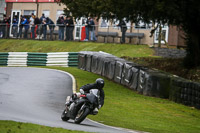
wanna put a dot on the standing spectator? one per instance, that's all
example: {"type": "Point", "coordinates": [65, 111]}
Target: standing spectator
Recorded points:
{"type": "Point", "coordinates": [67, 28]}
{"type": "Point", "coordinates": [123, 27]}
{"type": "Point", "coordinates": [92, 29]}
{"type": "Point", "coordinates": [40, 28]}
{"type": "Point", "coordinates": [25, 23]}
{"type": "Point", "coordinates": [6, 26]}
{"type": "Point", "coordinates": [87, 30]}
{"type": "Point", "coordinates": [15, 26]}
{"type": "Point", "coordinates": [60, 23]}
{"type": "Point", "coordinates": [69, 23]}
{"type": "Point", "coordinates": [1, 28]}
{"type": "Point", "coordinates": [37, 24]}
{"type": "Point", "coordinates": [71, 28]}
{"type": "Point", "coordinates": [32, 25]}
{"type": "Point", "coordinates": [51, 27]}
{"type": "Point", "coordinates": [44, 28]}
{"type": "Point", "coordinates": [20, 27]}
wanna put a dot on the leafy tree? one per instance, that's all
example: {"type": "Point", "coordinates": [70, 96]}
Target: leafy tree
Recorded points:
{"type": "Point", "coordinates": [182, 13]}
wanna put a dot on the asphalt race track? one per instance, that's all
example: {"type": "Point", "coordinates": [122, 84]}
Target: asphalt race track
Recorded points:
{"type": "Point", "coordinates": [36, 95]}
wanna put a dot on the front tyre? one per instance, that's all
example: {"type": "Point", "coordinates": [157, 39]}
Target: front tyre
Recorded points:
{"type": "Point", "coordinates": [64, 116]}
{"type": "Point", "coordinates": [82, 114]}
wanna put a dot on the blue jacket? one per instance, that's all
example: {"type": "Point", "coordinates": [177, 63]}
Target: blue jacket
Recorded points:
{"type": "Point", "coordinates": [25, 23]}
{"type": "Point", "coordinates": [15, 22]}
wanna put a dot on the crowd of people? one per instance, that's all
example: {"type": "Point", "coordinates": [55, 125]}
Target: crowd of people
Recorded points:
{"type": "Point", "coordinates": [38, 28]}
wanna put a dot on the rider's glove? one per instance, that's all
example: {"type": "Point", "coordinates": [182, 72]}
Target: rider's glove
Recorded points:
{"type": "Point", "coordinates": [99, 107]}
{"type": "Point", "coordinates": [82, 91]}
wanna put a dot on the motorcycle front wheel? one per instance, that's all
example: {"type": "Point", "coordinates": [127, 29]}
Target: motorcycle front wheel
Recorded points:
{"type": "Point", "coordinates": [82, 114]}
{"type": "Point", "coordinates": [64, 116]}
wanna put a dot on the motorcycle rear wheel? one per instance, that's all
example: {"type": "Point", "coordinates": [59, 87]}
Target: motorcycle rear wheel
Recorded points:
{"type": "Point", "coordinates": [82, 114]}
{"type": "Point", "coordinates": [64, 116]}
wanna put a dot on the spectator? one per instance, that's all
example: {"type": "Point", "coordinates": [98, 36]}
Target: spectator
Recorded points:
{"type": "Point", "coordinates": [15, 26]}
{"type": "Point", "coordinates": [6, 26]}
{"type": "Point", "coordinates": [69, 23]}
{"type": "Point", "coordinates": [67, 28]}
{"type": "Point", "coordinates": [60, 23]}
{"type": "Point", "coordinates": [1, 28]}
{"type": "Point", "coordinates": [20, 27]}
{"type": "Point", "coordinates": [32, 25]}
{"type": "Point", "coordinates": [44, 28]}
{"type": "Point", "coordinates": [25, 23]}
{"type": "Point", "coordinates": [40, 27]}
{"type": "Point", "coordinates": [51, 27]}
{"type": "Point", "coordinates": [92, 29]}
{"type": "Point", "coordinates": [37, 24]}
{"type": "Point", "coordinates": [123, 27]}
{"type": "Point", "coordinates": [71, 28]}
{"type": "Point", "coordinates": [87, 30]}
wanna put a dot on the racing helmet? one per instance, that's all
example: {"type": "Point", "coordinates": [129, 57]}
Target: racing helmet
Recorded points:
{"type": "Point", "coordinates": [100, 83]}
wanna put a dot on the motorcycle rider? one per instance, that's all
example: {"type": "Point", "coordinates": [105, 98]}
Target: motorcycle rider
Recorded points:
{"type": "Point", "coordinates": [99, 84]}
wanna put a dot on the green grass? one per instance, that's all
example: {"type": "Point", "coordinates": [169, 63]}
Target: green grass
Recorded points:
{"type": "Point", "coordinates": [125, 108]}
{"type": "Point", "coordinates": [19, 127]}
{"type": "Point", "coordinates": [13, 45]}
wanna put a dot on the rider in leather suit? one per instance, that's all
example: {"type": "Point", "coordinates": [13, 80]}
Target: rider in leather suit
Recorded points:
{"type": "Point", "coordinates": [99, 84]}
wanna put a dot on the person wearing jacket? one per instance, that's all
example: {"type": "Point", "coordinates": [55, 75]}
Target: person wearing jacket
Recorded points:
{"type": "Point", "coordinates": [92, 29]}
{"type": "Point", "coordinates": [123, 27]}
{"type": "Point", "coordinates": [99, 84]}
{"type": "Point", "coordinates": [32, 25]}
{"type": "Point", "coordinates": [25, 24]}
{"type": "Point", "coordinates": [51, 25]}
{"type": "Point", "coordinates": [61, 27]}
{"type": "Point", "coordinates": [44, 28]}
{"type": "Point", "coordinates": [69, 23]}
{"type": "Point", "coordinates": [15, 26]}
{"type": "Point", "coordinates": [6, 26]}
{"type": "Point", "coordinates": [19, 35]}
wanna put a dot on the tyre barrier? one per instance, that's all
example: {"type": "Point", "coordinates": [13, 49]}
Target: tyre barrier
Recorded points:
{"type": "Point", "coordinates": [148, 82]}
{"type": "Point", "coordinates": [64, 59]}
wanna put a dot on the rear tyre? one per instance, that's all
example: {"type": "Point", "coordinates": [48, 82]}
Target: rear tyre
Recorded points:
{"type": "Point", "coordinates": [82, 114]}
{"type": "Point", "coordinates": [64, 116]}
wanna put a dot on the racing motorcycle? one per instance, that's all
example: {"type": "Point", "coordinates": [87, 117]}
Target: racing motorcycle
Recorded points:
{"type": "Point", "coordinates": [82, 106]}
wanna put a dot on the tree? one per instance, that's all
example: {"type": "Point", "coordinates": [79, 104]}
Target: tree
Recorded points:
{"type": "Point", "coordinates": [182, 13]}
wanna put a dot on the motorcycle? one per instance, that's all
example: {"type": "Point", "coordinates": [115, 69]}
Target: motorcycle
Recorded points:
{"type": "Point", "coordinates": [81, 107]}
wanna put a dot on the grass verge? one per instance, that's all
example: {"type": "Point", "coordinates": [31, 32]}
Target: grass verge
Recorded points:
{"type": "Point", "coordinates": [13, 45]}
{"type": "Point", "coordinates": [19, 127]}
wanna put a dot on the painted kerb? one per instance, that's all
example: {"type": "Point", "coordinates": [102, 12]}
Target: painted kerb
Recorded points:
{"type": "Point", "coordinates": [63, 59]}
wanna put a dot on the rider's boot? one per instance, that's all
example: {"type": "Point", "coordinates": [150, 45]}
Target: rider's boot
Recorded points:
{"type": "Point", "coordinates": [95, 111]}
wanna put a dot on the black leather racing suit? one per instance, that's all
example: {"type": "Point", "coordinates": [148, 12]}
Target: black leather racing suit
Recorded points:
{"type": "Point", "coordinates": [86, 89]}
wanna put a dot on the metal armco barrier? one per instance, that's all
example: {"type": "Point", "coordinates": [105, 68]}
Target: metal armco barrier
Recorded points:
{"type": "Point", "coordinates": [145, 81]}
{"type": "Point", "coordinates": [63, 59]}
